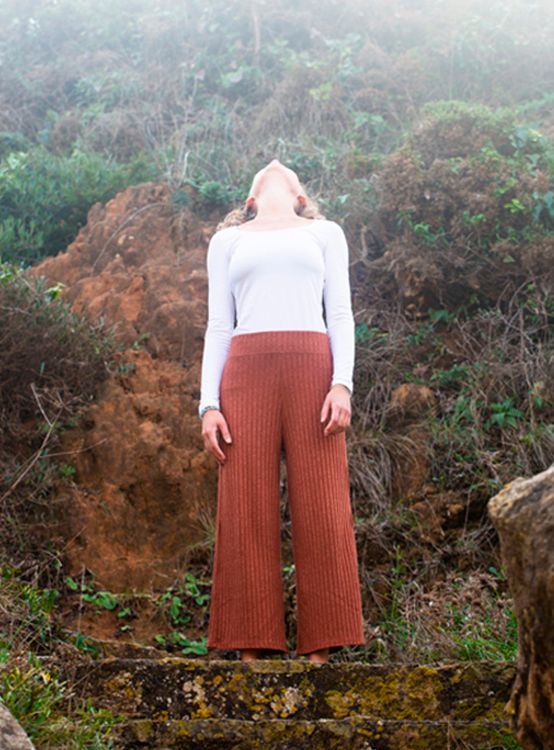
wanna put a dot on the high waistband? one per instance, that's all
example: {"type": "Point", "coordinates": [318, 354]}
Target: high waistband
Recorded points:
{"type": "Point", "coordinates": [313, 342]}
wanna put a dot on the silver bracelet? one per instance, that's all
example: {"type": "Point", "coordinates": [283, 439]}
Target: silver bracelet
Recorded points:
{"type": "Point", "coordinates": [204, 409]}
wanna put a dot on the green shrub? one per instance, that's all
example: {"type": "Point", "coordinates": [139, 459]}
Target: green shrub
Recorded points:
{"type": "Point", "coordinates": [44, 198]}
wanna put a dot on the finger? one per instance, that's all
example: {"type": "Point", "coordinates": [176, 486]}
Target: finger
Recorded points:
{"type": "Point", "coordinates": [336, 430]}
{"type": "Point", "coordinates": [342, 419]}
{"type": "Point", "coordinates": [327, 428]}
{"type": "Point", "coordinates": [324, 410]}
{"type": "Point", "coordinates": [215, 448]}
{"type": "Point", "coordinates": [345, 421]}
{"type": "Point", "coordinates": [332, 423]}
{"type": "Point", "coordinates": [221, 457]}
{"type": "Point", "coordinates": [225, 432]}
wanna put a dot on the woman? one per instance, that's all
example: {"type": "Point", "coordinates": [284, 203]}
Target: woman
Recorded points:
{"type": "Point", "coordinates": [280, 379]}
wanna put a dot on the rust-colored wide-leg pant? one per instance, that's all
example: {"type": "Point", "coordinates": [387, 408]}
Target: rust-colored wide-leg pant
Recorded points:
{"type": "Point", "coordinates": [271, 393]}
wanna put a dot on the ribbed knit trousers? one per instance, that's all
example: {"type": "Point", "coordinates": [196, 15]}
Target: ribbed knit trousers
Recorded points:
{"type": "Point", "coordinates": [272, 390]}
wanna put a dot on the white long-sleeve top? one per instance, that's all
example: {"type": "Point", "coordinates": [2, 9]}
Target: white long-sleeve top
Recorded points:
{"type": "Point", "coordinates": [277, 279]}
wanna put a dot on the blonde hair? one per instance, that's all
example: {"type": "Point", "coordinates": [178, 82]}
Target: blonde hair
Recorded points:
{"type": "Point", "coordinates": [308, 210]}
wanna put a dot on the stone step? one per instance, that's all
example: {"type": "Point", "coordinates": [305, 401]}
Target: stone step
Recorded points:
{"type": "Point", "coordinates": [276, 692]}
{"type": "Point", "coordinates": [353, 733]}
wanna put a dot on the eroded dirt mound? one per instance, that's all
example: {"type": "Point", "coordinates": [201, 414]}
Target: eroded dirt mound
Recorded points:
{"type": "Point", "coordinates": [139, 263]}
{"type": "Point", "coordinates": [144, 487]}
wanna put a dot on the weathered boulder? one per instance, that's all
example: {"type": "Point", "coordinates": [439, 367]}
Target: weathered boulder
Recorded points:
{"type": "Point", "coordinates": [523, 514]}
{"type": "Point", "coordinates": [12, 736]}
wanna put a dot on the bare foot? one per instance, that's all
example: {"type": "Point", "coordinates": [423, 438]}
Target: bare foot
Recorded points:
{"type": "Point", "coordinates": [248, 654]}
{"type": "Point", "coordinates": [319, 657]}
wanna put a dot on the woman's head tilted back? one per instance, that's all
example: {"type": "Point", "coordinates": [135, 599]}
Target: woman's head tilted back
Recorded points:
{"type": "Point", "coordinates": [276, 192]}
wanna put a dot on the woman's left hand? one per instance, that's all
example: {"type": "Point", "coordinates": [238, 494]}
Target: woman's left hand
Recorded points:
{"type": "Point", "coordinates": [337, 404]}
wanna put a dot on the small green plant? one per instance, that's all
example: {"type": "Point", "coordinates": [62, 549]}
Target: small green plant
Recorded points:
{"type": "Point", "coordinates": [440, 315]}
{"type": "Point", "coordinates": [101, 599]}
{"type": "Point", "coordinates": [508, 184]}
{"type": "Point", "coordinates": [365, 333]}
{"type": "Point", "coordinates": [504, 414]}
{"type": "Point", "coordinates": [178, 604]}
{"type": "Point", "coordinates": [137, 343]}
{"type": "Point", "coordinates": [85, 644]}
{"type": "Point", "coordinates": [175, 608]}
{"type": "Point", "coordinates": [472, 219]}
{"type": "Point", "coordinates": [67, 471]}
{"type": "Point", "coordinates": [479, 639]}
{"type": "Point", "coordinates": [423, 331]}
{"type": "Point", "coordinates": [515, 206]}
{"type": "Point", "coordinates": [424, 233]}
{"type": "Point", "coordinates": [192, 589]}
{"type": "Point", "coordinates": [186, 645]}
{"type": "Point", "coordinates": [213, 193]}
{"type": "Point", "coordinates": [453, 376]}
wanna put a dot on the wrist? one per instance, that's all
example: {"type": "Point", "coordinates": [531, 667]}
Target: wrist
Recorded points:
{"type": "Point", "coordinates": [342, 385]}
{"type": "Point", "coordinates": [203, 409]}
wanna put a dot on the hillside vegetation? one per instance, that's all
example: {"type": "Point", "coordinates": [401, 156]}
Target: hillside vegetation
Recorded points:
{"type": "Point", "coordinates": [427, 130]}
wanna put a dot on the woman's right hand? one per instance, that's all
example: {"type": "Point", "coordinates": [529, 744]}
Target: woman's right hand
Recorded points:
{"type": "Point", "coordinates": [213, 421]}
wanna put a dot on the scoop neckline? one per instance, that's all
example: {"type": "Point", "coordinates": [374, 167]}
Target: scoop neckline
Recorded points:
{"type": "Point", "coordinates": [263, 231]}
